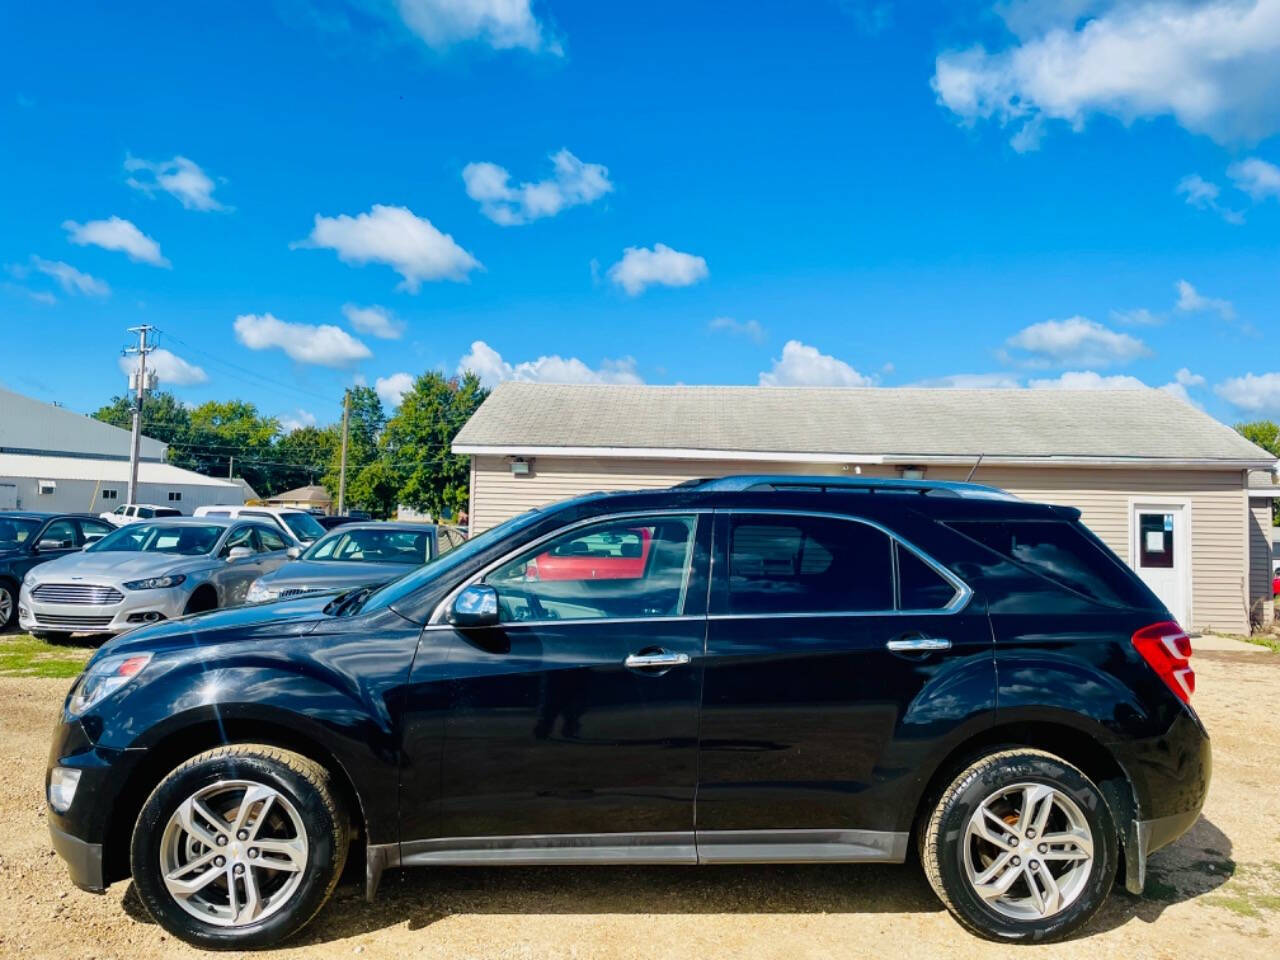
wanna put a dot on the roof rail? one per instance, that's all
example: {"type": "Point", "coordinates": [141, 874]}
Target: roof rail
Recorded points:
{"type": "Point", "coordinates": [827, 484]}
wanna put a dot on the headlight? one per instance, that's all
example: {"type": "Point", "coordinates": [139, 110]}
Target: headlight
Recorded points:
{"type": "Point", "coordinates": [29, 579]}
{"type": "Point", "coordinates": [258, 592]}
{"type": "Point", "coordinates": [155, 583]}
{"type": "Point", "coordinates": [103, 679]}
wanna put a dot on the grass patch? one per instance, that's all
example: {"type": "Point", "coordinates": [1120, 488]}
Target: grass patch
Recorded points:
{"type": "Point", "coordinates": [22, 655]}
{"type": "Point", "coordinates": [1268, 640]}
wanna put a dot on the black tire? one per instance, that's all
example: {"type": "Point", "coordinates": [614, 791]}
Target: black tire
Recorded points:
{"type": "Point", "coordinates": [203, 600]}
{"type": "Point", "coordinates": [303, 783]}
{"type": "Point", "coordinates": [943, 837]}
{"type": "Point", "coordinates": [9, 603]}
{"type": "Point", "coordinates": [49, 636]}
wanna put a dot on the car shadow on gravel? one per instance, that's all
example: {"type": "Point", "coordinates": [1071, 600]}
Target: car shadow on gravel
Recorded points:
{"type": "Point", "coordinates": [1197, 864]}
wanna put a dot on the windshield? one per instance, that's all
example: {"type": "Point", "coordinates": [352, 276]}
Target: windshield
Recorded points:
{"type": "Point", "coordinates": [372, 546]}
{"type": "Point", "coordinates": [393, 590]}
{"type": "Point", "coordinates": [16, 530]}
{"type": "Point", "coordinates": [184, 540]}
{"type": "Point", "coordinates": [303, 525]}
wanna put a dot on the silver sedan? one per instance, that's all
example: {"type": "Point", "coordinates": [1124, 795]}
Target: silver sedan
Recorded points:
{"type": "Point", "coordinates": [149, 571]}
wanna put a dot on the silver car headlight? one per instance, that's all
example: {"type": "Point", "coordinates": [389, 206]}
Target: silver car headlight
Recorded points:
{"type": "Point", "coordinates": [29, 579]}
{"type": "Point", "coordinates": [258, 592]}
{"type": "Point", "coordinates": [156, 583]}
{"type": "Point", "coordinates": [103, 679]}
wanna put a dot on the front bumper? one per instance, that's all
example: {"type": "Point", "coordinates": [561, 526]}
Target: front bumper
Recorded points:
{"type": "Point", "coordinates": [136, 608]}
{"type": "Point", "coordinates": [83, 859]}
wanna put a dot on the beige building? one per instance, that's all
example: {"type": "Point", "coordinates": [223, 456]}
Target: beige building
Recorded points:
{"type": "Point", "coordinates": [1165, 485]}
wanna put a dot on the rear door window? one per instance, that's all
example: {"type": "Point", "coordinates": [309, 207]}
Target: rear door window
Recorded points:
{"type": "Point", "coordinates": [799, 564]}
{"type": "Point", "coordinates": [1061, 552]}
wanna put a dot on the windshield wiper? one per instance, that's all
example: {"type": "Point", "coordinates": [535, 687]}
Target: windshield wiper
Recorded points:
{"type": "Point", "coordinates": [344, 601]}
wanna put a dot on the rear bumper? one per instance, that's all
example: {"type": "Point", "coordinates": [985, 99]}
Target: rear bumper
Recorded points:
{"type": "Point", "coordinates": [83, 859]}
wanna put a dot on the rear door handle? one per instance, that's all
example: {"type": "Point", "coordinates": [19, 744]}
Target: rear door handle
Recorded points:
{"type": "Point", "coordinates": [918, 644]}
{"type": "Point", "coordinates": [659, 658]}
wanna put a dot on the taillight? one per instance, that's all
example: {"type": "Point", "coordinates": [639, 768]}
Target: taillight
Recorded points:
{"type": "Point", "coordinates": [1167, 648]}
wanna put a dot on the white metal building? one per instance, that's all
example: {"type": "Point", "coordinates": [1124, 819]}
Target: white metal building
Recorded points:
{"type": "Point", "coordinates": [57, 460]}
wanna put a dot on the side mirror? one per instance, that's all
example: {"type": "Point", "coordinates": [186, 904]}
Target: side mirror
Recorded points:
{"type": "Point", "coordinates": [293, 553]}
{"type": "Point", "coordinates": [49, 545]}
{"type": "Point", "coordinates": [476, 606]}
{"type": "Point", "coordinates": [238, 553]}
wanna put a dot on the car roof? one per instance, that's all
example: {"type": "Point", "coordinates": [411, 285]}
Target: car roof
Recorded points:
{"type": "Point", "coordinates": [44, 515]}
{"type": "Point", "coordinates": [186, 522]}
{"type": "Point", "coordinates": [400, 526]}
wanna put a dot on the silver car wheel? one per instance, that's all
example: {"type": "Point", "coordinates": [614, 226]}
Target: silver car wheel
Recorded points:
{"type": "Point", "coordinates": [1028, 851]}
{"type": "Point", "coordinates": [234, 853]}
{"type": "Point", "coordinates": [6, 605]}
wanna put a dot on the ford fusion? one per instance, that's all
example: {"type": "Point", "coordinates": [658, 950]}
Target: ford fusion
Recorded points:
{"type": "Point", "coordinates": [148, 571]}
{"type": "Point", "coordinates": [733, 671]}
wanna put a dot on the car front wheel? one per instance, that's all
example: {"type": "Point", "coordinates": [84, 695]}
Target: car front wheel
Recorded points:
{"type": "Point", "coordinates": [1021, 847]}
{"type": "Point", "coordinates": [240, 846]}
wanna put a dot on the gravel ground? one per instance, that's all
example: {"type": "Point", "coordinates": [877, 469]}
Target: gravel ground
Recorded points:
{"type": "Point", "coordinates": [1216, 893]}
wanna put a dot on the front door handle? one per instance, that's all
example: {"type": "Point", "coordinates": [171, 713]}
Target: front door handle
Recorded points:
{"type": "Point", "coordinates": [659, 659]}
{"type": "Point", "coordinates": [918, 644]}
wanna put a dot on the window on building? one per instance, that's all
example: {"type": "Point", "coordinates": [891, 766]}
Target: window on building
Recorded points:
{"type": "Point", "coordinates": [109, 494]}
{"type": "Point", "coordinates": [47, 488]}
{"type": "Point", "coordinates": [175, 496]}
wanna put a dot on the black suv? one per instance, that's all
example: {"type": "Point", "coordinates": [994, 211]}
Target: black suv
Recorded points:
{"type": "Point", "coordinates": [29, 538]}
{"type": "Point", "coordinates": [741, 670]}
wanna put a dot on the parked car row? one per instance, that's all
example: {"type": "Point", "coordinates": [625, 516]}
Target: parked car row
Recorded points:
{"type": "Point", "coordinates": [75, 573]}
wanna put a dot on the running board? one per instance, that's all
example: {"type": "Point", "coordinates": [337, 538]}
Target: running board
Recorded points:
{"type": "Point", "coordinates": [681, 847]}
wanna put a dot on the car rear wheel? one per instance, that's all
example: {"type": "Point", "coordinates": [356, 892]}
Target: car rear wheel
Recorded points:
{"type": "Point", "coordinates": [8, 605]}
{"type": "Point", "coordinates": [240, 846]}
{"type": "Point", "coordinates": [1021, 847]}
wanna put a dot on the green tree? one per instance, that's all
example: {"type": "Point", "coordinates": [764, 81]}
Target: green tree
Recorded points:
{"type": "Point", "coordinates": [417, 439]}
{"type": "Point", "coordinates": [235, 428]}
{"type": "Point", "coordinates": [365, 426]}
{"type": "Point", "coordinates": [304, 455]}
{"type": "Point", "coordinates": [164, 418]}
{"type": "Point", "coordinates": [1266, 434]}
{"type": "Point", "coordinates": [375, 488]}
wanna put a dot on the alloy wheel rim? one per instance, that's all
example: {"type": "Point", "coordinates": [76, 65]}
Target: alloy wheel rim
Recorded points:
{"type": "Point", "coordinates": [6, 605]}
{"type": "Point", "coordinates": [1028, 851]}
{"type": "Point", "coordinates": [233, 853]}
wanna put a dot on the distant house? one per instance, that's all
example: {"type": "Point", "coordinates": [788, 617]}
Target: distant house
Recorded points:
{"type": "Point", "coordinates": [1165, 485]}
{"type": "Point", "coordinates": [54, 459]}
{"type": "Point", "coordinates": [313, 497]}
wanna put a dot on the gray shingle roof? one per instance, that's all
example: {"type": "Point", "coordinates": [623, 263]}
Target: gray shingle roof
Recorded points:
{"type": "Point", "coordinates": [898, 424]}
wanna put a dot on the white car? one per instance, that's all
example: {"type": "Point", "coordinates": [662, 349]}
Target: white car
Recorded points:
{"type": "Point", "coordinates": [131, 512]}
{"type": "Point", "coordinates": [298, 525]}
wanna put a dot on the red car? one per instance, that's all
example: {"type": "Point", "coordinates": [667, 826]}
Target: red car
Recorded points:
{"type": "Point", "coordinates": [1275, 584]}
{"type": "Point", "coordinates": [608, 556]}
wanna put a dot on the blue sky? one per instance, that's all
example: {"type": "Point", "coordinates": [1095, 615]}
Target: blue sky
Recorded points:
{"type": "Point", "coordinates": [305, 195]}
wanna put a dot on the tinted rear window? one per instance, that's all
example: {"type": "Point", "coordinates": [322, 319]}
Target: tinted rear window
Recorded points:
{"type": "Point", "coordinates": [1061, 552]}
{"type": "Point", "coordinates": [920, 587]}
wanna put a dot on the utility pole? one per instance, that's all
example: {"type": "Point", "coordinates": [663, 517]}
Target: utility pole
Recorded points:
{"type": "Point", "coordinates": [342, 470]}
{"type": "Point", "coordinates": [231, 467]}
{"type": "Point", "coordinates": [139, 382]}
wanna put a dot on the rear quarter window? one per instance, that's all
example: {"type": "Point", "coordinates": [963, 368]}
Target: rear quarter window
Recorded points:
{"type": "Point", "coordinates": [1062, 552]}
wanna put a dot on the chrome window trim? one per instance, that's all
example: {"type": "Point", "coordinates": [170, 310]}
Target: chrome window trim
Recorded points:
{"type": "Point", "coordinates": [438, 615]}
{"type": "Point", "coordinates": [958, 602]}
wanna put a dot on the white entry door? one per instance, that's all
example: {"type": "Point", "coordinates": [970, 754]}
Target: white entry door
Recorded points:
{"type": "Point", "coordinates": [1160, 552]}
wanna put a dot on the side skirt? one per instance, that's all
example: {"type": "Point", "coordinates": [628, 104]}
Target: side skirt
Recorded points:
{"type": "Point", "coordinates": [706, 846]}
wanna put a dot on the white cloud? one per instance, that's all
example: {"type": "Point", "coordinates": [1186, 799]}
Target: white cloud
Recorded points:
{"type": "Point", "coordinates": [69, 278]}
{"type": "Point", "coordinates": [170, 368]}
{"type": "Point", "coordinates": [573, 183]}
{"type": "Point", "coordinates": [1139, 317]}
{"type": "Point", "coordinates": [300, 418]}
{"type": "Point", "coordinates": [323, 345]}
{"type": "Point", "coordinates": [180, 178]}
{"type": "Point", "coordinates": [1076, 341]}
{"type": "Point", "coordinates": [1213, 67]}
{"type": "Point", "coordinates": [486, 363]}
{"type": "Point", "coordinates": [804, 366]}
{"type": "Point", "coordinates": [1203, 195]}
{"type": "Point", "coordinates": [393, 388]}
{"type": "Point", "coordinates": [376, 321]}
{"type": "Point", "coordinates": [1182, 381]}
{"type": "Point", "coordinates": [641, 267]}
{"type": "Point", "coordinates": [971, 381]}
{"type": "Point", "coordinates": [1087, 380]}
{"type": "Point", "coordinates": [1255, 177]}
{"type": "Point", "coordinates": [1191, 301]}
{"type": "Point", "coordinates": [410, 245]}
{"type": "Point", "coordinates": [119, 235]}
{"type": "Point", "coordinates": [1256, 393]}
{"type": "Point", "coordinates": [751, 329]}
{"type": "Point", "coordinates": [502, 24]}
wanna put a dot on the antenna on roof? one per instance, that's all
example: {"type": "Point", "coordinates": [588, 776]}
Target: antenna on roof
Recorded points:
{"type": "Point", "coordinates": [976, 464]}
